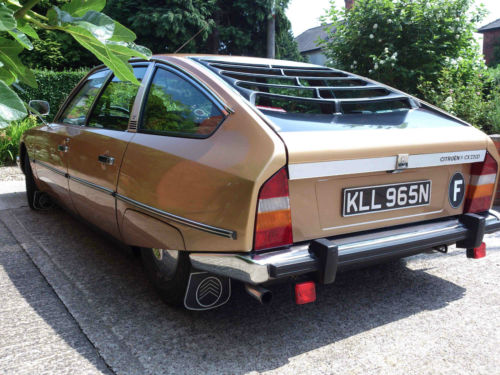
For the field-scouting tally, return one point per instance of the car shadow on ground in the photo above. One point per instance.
(107, 292)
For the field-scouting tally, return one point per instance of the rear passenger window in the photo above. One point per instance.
(76, 112)
(112, 110)
(176, 107)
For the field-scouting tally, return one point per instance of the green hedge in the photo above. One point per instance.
(53, 87)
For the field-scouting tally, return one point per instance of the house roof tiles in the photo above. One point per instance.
(491, 26)
(307, 40)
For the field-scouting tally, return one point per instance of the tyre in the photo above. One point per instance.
(31, 187)
(169, 272)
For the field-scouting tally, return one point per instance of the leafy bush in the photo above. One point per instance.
(400, 42)
(463, 91)
(494, 111)
(423, 47)
(494, 114)
(53, 87)
(10, 138)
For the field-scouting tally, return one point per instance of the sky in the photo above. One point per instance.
(304, 14)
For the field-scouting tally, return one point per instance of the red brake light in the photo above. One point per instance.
(273, 226)
(482, 185)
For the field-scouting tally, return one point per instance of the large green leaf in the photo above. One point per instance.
(7, 76)
(99, 25)
(117, 63)
(108, 40)
(9, 51)
(129, 49)
(11, 107)
(122, 34)
(26, 28)
(78, 8)
(21, 38)
(7, 20)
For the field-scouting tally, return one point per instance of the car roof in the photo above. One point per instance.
(235, 59)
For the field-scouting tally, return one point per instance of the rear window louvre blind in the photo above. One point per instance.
(307, 89)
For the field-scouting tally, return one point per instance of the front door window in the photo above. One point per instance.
(76, 112)
(112, 110)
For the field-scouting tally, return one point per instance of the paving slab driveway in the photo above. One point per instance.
(429, 314)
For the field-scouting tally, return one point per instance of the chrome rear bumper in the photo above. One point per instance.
(353, 250)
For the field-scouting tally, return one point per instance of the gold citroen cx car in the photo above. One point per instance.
(260, 171)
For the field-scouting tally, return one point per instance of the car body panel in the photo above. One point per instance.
(92, 182)
(51, 162)
(144, 231)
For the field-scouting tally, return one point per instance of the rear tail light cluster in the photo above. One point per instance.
(273, 227)
(482, 185)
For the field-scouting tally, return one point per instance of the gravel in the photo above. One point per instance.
(428, 314)
(12, 173)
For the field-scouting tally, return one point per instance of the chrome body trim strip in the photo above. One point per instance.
(155, 211)
(92, 185)
(344, 167)
(178, 219)
(257, 268)
(50, 168)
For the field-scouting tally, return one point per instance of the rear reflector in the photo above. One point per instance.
(477, 252)
(305, 292)
(481, 186)
(273, 227)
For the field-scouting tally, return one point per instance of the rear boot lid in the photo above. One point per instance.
(383, 173)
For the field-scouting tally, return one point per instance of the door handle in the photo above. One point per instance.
(62, 148)
(105, 159)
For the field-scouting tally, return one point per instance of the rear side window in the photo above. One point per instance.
(112, 110)
(176, 107)
(76, 112)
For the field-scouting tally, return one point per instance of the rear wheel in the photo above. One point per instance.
(169, 272)
(31, 188)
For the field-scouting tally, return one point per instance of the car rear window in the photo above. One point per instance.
(308, 92)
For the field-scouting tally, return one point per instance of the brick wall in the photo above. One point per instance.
(491, 38)
(349, 4)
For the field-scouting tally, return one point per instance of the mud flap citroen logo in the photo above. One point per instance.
(206, 291)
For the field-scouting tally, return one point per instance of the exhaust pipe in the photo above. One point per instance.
(261, 294)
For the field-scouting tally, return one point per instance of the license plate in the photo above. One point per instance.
(369, 199)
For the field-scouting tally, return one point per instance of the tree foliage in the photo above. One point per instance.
(236, 27)
(227, 27)
(107, 39)
(424, 47)
(402, 41)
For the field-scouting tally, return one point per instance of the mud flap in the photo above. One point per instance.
(42, 201)
(206, 291)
